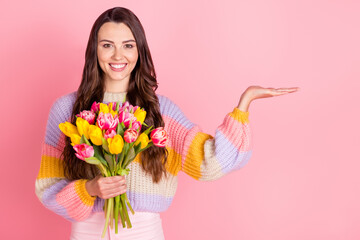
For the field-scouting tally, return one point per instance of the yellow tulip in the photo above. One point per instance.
(143, 139)
(75, 139)
(140, 115)
(95, 135)
(113, 113)
(83, 127)
(68, 129)
(116, 144)
(104, 108)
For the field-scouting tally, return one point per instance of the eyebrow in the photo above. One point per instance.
(105, 40)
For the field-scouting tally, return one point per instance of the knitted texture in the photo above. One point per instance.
(199, 155)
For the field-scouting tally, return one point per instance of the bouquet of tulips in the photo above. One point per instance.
(108, 136)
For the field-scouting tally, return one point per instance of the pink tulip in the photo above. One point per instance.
(134, 109)
(107, 121)
(136, 126)
(130, 135)
(127, 107)
(110, 133)
(124, 107)
(88, 116)
(95, 107)
(126, 117)
(159, 137)
(83, 151)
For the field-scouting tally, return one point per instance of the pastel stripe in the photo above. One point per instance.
(59, 112)
(148, 202)
(227, 154)
(236, 133)
(210, 168)
(138, 180)
(194, 152)
(41, 184)
(50, 167)
(49, 199)
(70, 200)
(168, 108)
(50, 151)
(176, 133)
(173, 165)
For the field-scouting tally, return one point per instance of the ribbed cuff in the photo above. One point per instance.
(83, 194)
(239, 115)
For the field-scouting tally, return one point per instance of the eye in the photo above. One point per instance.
(107, 45)
(129, 46)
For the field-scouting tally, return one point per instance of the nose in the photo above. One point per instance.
(117, 53)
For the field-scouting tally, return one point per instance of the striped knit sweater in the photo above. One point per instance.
(199, 155)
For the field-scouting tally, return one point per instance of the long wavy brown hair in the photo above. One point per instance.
(141, 92)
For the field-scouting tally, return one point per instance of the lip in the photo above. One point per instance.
(117, 69)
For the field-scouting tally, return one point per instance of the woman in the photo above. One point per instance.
(118, 65)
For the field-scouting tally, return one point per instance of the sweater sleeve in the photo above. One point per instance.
(66, 198)
(202, 156)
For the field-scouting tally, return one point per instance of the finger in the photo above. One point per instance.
(287, 89)
(113, 185)
(112, 179)
(113, 193)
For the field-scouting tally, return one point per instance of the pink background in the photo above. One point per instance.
(303, 179)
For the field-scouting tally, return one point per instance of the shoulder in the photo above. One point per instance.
(64, 103)
(167, 106)
(171, 110)
(60, 112)
(61, 109)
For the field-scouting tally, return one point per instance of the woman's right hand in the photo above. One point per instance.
(106, 187)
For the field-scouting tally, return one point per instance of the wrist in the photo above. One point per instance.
(244, 102)
(89, 188)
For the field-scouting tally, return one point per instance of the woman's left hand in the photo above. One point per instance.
(256, 92)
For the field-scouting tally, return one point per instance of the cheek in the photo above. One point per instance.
(133, 56)
(102, 57)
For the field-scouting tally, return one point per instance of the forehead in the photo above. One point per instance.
(116, 32)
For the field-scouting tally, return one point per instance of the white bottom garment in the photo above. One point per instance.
(145, 226)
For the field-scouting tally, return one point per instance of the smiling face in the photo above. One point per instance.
(117, 55)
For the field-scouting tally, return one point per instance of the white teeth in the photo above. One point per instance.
(118, 65)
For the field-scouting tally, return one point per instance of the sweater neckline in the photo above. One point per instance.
(114, 96)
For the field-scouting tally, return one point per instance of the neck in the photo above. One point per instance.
(113, 86)
(114, 97)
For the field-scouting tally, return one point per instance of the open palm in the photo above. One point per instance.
(256, 92)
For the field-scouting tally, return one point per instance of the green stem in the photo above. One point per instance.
(117, 203)
(128, 203)
(109, 208)
(122, 215)
(102, 170)
(127, 219)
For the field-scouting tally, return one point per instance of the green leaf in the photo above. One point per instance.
(123, 172)
(110, 161)
(149, 145)
(129, 157)
(92, 160)
(137, 148)
(147, 131)
(105, 145)
(117, 107)
(98, 154)
(120, 129)
(84, 140)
